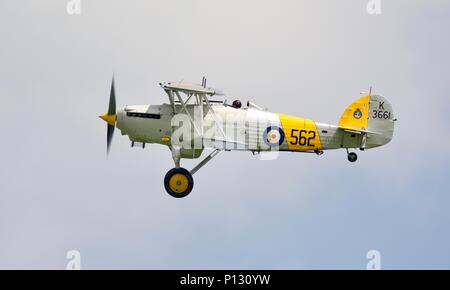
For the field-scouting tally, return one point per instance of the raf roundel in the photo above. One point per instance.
(273, 136)
(357, 114)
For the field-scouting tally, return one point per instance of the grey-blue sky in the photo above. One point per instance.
(308, 58)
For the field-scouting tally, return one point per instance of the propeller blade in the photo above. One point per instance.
(112, 100)
(109, 137)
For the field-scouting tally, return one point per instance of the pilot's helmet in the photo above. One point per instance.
(236, 104)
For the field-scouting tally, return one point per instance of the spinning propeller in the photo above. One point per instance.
(110, 117)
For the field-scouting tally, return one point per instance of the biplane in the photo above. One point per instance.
(194, 120)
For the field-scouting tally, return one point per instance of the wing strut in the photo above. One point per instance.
(204, 161)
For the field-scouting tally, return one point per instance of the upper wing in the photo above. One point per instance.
(189, 88)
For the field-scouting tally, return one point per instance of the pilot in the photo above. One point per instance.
(236, 104)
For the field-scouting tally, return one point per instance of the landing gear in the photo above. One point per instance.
(352, 157)
(178, 182)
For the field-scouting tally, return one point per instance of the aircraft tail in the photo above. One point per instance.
(373, 117)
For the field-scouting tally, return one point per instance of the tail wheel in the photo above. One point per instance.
(352, 157)
(178, 182)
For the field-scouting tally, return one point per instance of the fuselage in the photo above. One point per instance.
(229, 128)
(190, 125)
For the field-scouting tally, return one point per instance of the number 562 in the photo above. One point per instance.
(302, 137)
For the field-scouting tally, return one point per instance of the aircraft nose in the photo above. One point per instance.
(110, 119)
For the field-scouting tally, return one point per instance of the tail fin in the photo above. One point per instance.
(372, 116)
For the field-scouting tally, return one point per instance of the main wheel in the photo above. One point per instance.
(178, 182)
(352, 157)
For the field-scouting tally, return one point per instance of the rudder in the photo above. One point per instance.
(373, 117)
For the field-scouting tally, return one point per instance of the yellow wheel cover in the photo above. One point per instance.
(178, 183)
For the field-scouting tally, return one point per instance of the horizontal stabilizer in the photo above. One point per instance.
(353, 131)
